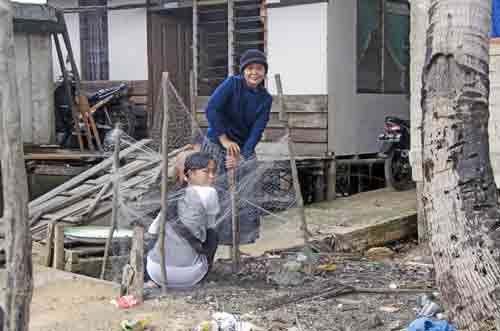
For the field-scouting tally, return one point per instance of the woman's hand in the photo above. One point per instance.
(231, 147)
(231, 161)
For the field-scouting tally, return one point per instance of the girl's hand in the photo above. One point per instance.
(231, 161)
(231, 147)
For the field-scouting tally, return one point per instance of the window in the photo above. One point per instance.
(94, 41)
(383, 46)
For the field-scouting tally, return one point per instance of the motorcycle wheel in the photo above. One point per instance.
(398, 171)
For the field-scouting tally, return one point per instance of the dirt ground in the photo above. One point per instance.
(64, 301)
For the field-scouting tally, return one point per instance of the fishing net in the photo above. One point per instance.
(260, 191)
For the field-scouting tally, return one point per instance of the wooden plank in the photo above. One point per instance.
(297, 120)
(139, 99)
(80, 189)
(56, 170)
(266, 150)
(41, 89)
(85, 175)
(61, 156)
(298, 135)
(31, 11)
(372, 235)
(292, 104)
(136, 87)
(70, 210)
(24, 84)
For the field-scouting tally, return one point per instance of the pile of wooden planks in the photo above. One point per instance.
(86, 198)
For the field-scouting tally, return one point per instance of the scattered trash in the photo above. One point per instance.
(429, 309)
(442, 316)
(427, 324)
(222, 321)
(423, 299)
(327, 267)
(135, 325)
(124, 302)
(389, 309)
(380, 253)
(292, 266)
(393, 286)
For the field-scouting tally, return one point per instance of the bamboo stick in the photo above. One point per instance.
(164, 182)
(235, 221)
(116, 198)
(296, 184)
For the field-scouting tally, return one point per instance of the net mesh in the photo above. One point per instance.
(263, 189)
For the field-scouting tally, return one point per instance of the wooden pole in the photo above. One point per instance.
(19, 276)
(67, 90)
(193, 97)
(135, 285)
(296, 184)
(164, 182)
(116, 198)
(235, 221)
(195, 45)
(230, 37)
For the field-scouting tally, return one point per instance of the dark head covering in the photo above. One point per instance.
(195, 161)
(252, 56)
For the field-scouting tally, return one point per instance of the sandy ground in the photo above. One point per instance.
(64, 301)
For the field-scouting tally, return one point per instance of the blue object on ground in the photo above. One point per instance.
(428, 324)
(495, 18)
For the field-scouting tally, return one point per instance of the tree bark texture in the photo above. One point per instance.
(459, 194)
(419, 22)
(19, 284)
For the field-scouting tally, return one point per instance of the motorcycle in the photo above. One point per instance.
(395, 150)
(112, 106)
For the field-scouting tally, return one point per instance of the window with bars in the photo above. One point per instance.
(383, 28)
(94, 41)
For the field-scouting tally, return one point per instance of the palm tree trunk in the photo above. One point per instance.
(459, 194)
(19, 284)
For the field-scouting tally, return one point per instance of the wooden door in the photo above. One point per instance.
(169, 49)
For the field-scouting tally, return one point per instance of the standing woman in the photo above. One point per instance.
(237, 113)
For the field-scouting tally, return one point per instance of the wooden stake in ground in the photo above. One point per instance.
(235, 220)
(116, 198)
(164, 182)
(459, 194)
(295, 175)
(19, 277)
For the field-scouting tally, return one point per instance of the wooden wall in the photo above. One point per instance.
(308, 118)
(35, 86)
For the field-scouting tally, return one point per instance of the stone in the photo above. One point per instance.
(380, 253)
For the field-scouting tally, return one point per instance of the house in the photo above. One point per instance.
(343, 63)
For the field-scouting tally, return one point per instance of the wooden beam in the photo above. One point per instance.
(137, 263)
(18, 284)
(67, 90)
(195, 45)
(58, 261)
(230, 37)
